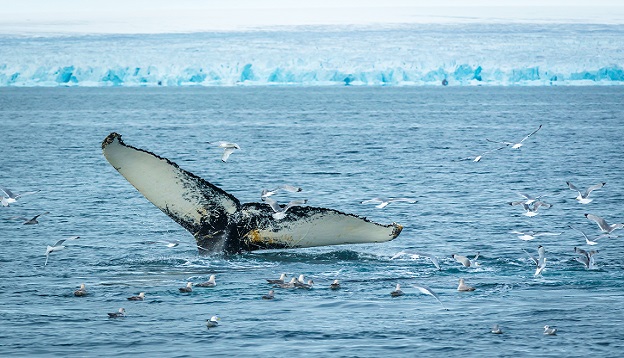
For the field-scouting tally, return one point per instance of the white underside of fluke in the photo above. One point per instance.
(166, 185)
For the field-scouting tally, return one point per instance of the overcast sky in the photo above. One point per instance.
(155, 16)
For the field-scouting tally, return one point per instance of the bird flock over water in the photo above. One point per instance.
(529, 203)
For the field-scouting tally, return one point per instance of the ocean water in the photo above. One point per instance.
(342, 145)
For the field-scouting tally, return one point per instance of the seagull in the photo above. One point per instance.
(465, 261)
(428, 291)
(528, 210)
(228, 148)
(480, 156)
(277, 281)
(516, 145)
(140, 297)
(587, 240)
(307, 285)
(540, 261)
(213, 321)
(31, 221)
(587, 257)
(118, 314)
(606, 228)
(551, 331)
(82, 291)
(11, 198)
(58, 246)
(168, 243)
(269, 296)
(187, 288)
(583, 198)
(531, 199)
(290, 188)
(289, 284)
(335, 285)
(496, 329)
(416, 255)
(463, 287)
(210, 283)
(397, 291)
(530, 235)
(385, 201)
(279, 212)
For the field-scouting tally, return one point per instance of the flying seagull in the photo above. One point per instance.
(587, 240)
(383, 202)
(31, 221)
(228, 148)
(583, 198)
(290, 188)
(604, 227)
(586, 258)
(540, 261)
(58, 246)
(9, 197)
(466, 261)
(518, 144)
(530, 235)
(426, 290)
(213, 321)
(528, 209)
(279, 212)
(416, 255)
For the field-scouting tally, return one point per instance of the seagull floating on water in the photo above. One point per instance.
(550, 331)
(290, 188)
(583, 198)
(383, 202)
(289, 284)
(463, 287)
(307, 285)
(228, 148)
(269, 296)
(187, 288)
(496, 329)
(426, 290)
(602, 224)
(10, 197)
(140, 297)
(119, 314)
(58, 246)
(587, 257)
(416, 255)
(466, 261)
(397, 291)
(518, 144)
(335, 285)
(213, 321)
(82, 291)
(530, 235)
(277, 281)
(210, 283)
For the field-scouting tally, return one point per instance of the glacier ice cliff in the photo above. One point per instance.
(463, 54)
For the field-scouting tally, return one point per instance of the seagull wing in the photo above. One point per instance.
(226, 153)
(530, 134)
(572, 187)
(499, 142)
(598, 220)
(26, 193)
(273, 204)
(372, 201)
(295, 203)
(592, 188)
(290, 188)
(428, 291)
(530, 256)
(59, 243)
(7, 192)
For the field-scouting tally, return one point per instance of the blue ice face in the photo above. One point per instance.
(454, 54)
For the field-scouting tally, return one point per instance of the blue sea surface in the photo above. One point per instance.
(342, 145)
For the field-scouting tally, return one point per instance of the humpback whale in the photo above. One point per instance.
(220, 223)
